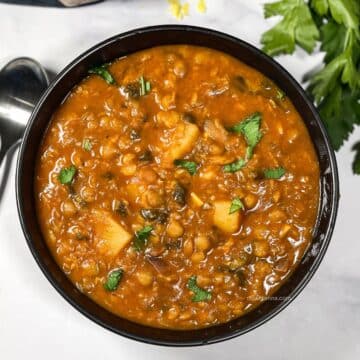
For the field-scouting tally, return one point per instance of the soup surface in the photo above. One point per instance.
(177, 187)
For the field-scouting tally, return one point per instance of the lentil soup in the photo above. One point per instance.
(177, 187)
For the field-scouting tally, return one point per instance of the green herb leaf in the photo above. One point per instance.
(234, 166)
(296, 27)
(103, 72)
(333, 37)
(336, 87)
(280, 95)
(190, 166)
(250, 128)
(113, 280)
(141, 237)
(346, 12)
(145, 86)
(199, 293)
(236, 205)
(274, 173)
(320, 6)
(340, 110)
(66, 175)
(87, 144)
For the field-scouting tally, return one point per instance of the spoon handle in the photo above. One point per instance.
(9, 134)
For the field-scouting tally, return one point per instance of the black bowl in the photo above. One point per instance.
(128, 43)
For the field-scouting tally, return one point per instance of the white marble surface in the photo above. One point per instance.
(35, 322)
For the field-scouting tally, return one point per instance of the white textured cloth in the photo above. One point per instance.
(36, 323)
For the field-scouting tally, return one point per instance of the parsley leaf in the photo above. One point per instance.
(145, 86)
(296, 27)
(340, 110)
(190, 166)
(103, 72)
(280, 95)
(199, 293)
(333, 40)
(113, 280)
(250, 128)
(66, 175)
(236, 205)
(274, 173)
(320, 6)
(335, 88)
(141, 237)
(234, 166)
(87, 144)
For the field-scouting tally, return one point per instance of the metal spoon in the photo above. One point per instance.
(22, 82)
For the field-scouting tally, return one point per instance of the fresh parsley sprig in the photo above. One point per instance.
(335, 89)
(236, 205)
(103, 72)
(199, 293)
(67, 175)
(113, 280)
(190, 166)
(142, 237)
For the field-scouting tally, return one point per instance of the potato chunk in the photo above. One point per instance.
(178, 138)
(228, 223)
(110, 236)
(183, 143)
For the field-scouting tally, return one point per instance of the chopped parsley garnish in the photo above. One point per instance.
(274, 173)
(236, 205)
(234, 166)
(141, 237)
(280, 95)
(113, 280)
(87, 144)
(190, 166)
(250, 128)
(103, 72)
(199, 293)
(66, 175)
(138, 88)
(145, 86)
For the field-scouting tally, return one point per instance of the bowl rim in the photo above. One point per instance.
(329, 152)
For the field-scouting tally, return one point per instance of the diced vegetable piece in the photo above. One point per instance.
(111, 237)
(160, 215)
(215, 130)
(146, 156)
(120, 207)
(228, 223)
(183, 144)
(195, 200)
(179, 195)
(239, 82)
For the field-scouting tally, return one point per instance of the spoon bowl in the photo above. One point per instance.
(22, 82)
